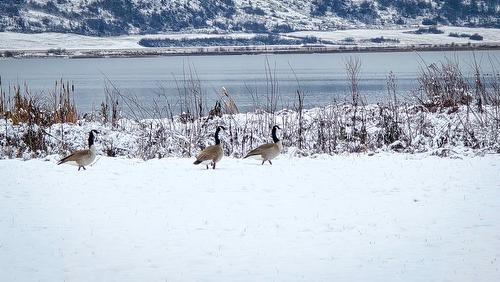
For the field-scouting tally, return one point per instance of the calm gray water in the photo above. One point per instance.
(322, 77)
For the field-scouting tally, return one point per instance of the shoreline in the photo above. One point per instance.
(238, 50)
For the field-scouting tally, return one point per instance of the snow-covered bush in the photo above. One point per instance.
(443, 85)
(331, 129)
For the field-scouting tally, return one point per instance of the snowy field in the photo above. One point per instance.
(51, 40)
(491, 35)
(45, 41)
(386, 217)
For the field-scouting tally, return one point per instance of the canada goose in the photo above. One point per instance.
(211, 154)
(269, 151)
(81, 158)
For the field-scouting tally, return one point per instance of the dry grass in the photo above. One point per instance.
(19, 105)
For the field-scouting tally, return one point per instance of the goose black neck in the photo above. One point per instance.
(91, 139)
(275, 138)
(217, 140)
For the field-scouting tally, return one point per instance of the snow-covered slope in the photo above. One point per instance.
(117, 17)
(389, 217)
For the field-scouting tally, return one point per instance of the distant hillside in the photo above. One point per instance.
(115, 17)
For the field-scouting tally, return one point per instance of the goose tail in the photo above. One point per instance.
(63, 160)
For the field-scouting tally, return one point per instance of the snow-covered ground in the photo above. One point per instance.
(69, 41)
(386, 217)
(45, 41)
(490, 35)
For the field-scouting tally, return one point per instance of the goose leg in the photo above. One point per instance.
(79, 167)
(84, 168)
(263, 162)
(270, 161)
(207, 166)
(213, 165)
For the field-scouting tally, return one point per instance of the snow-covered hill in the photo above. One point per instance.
(389, 217)
(115, 17)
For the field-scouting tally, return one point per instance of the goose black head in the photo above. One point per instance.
(275, 138)
(217, 140)
(92, 136)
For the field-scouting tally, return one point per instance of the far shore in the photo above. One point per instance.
(238, 50)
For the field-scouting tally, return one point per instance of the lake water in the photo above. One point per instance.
(322, 77)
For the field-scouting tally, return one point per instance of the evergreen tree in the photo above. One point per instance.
(452, 9)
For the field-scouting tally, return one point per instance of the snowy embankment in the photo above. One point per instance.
(333, 129)
(388, 217)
